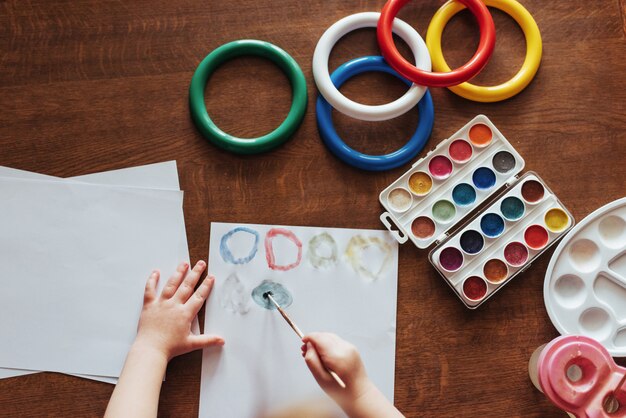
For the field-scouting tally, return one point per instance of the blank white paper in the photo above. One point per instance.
(155, 176)
(102, 242)
(349, 288)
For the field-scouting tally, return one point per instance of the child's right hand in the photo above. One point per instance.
(323, 350)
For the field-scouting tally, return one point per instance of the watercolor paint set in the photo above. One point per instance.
(433, 203)
(585, 284)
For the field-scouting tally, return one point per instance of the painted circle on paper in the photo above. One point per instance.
(226, 252)
(322, 251)
(370, 257)
(269, 249)
(280, 294)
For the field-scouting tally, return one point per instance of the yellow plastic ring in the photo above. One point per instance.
(489, 93)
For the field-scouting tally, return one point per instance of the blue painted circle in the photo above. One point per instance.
(484, 178)
(228, 256)
(365, 161)
(492, 225)
(463, 194)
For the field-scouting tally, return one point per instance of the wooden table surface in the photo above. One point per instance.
(87, 86)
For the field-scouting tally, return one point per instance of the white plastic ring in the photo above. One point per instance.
(352, 108)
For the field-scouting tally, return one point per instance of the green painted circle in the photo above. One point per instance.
(227, 52)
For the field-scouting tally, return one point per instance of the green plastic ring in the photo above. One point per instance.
(232, 50)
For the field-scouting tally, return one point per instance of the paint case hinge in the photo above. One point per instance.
(511, 181)
(441, 238)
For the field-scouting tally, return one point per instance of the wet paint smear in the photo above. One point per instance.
(234, 296)
(451, 259)
(484, 178)
(463, 194)
(355, 256)
(492, 225)
(516, 254)
(269, 250)
(503, 161)
(475, 288)
(512, 208)
(317, 245)
(471, 241)
(228, 256)
(532, 191)
(280, 294)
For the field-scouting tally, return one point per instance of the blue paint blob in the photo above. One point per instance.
(512, 208)
(463, 194)
(472, 241)
(484, 178)
(278, 292)
(228, 256)
(492, 225)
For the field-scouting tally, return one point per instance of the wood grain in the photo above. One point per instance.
(87, 86)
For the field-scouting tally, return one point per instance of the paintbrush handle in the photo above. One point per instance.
(336, 377)
(291, 323)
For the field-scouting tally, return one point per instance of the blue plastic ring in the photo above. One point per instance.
(364, 161)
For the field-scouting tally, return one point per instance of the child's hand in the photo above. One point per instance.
(165, 322)
(324, 349)
(361, 398)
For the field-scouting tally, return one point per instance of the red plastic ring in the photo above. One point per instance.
(437, 79)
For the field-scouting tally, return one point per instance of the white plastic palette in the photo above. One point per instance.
(479, 258)
(449, 182)
(585, 284)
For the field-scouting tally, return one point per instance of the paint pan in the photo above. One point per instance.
(465, 201)
(462, 172)
(502, 240)
(585, 284)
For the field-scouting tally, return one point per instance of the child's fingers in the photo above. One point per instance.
(198, 342)
(323, 341)
(195, 302)
(151, 286)
(173, 282)
(189, 283)
(315, 365)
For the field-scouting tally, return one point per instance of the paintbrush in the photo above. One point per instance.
(268, 295)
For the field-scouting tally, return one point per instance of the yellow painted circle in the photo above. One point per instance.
(489, 93)
(556, 220)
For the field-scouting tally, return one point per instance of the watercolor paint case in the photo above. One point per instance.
(431, 203)
(585, 283)
(502, 240)
(451, 181)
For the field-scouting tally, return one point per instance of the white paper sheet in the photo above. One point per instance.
(260, 366)
(103, 240)
(156, 176)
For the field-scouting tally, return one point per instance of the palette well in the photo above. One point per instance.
(585, 284)
(443, 192)
(450, 182)
(502, 240)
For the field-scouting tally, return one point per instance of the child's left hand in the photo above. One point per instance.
(165, 322)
